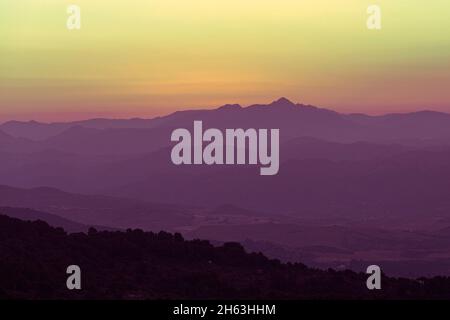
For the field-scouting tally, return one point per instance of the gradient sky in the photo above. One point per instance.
(150, 57)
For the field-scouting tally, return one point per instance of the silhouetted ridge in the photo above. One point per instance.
(145, 265)
(282, 102)
(230, 107)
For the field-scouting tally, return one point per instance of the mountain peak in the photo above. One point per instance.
(282, 102)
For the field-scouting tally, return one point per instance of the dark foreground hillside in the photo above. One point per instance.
(144, 265)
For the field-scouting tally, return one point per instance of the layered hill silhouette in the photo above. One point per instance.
(139, 265)
(53, 220)
(294, 120)
(405, 245)
(379, 184)
(94, 210)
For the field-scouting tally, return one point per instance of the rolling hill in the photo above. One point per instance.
(138, 265)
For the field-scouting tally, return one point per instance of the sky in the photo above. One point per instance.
(151, 57)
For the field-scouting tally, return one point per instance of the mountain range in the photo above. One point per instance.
(294, 120)
(345, 180)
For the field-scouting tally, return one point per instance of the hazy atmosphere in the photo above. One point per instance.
(147, 58)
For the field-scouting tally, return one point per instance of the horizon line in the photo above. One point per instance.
(205, 108)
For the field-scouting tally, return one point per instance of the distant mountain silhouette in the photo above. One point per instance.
(37, 131)
(138, 265)
(96, 210)
(400, 252)
(412, 183)
(338, 172)
(316, 178)
(33, 130)
(9, 143)
(51, 219)
(294, 120)
(419, 253)
(82, 140)
(312, 148)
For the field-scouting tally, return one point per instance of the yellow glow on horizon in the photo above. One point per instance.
(141, 57)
